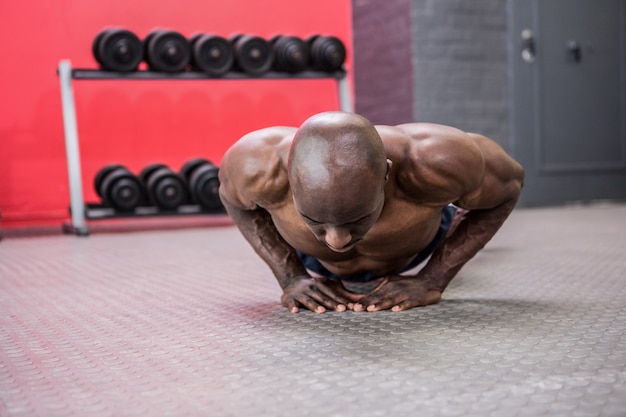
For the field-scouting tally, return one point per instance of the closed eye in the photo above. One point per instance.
(355, 222)
(309, 220)
(361, 220)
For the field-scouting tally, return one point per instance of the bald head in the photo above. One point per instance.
(339, 159)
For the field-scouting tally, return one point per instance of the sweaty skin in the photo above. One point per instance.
(364, 198)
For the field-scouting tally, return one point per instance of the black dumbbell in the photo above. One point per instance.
(291, 54)
(211, 54)
(117, 50)
(164, 188)
(203, 182)
(327, 53)
(253, 54)
(118, 187)
(166, 51)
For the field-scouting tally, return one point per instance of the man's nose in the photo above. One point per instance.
(337, 237)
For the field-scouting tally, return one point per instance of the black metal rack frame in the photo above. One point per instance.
(79, 210)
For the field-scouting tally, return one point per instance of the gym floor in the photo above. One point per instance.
(187, 322)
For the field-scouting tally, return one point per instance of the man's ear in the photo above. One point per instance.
(389, 164)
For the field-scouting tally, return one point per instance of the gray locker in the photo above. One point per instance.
(568, 98)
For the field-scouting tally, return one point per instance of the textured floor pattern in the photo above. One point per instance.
(188, 323)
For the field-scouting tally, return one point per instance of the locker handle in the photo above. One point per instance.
(573, 52)
(528, 46)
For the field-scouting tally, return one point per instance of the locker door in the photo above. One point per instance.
(568, 79)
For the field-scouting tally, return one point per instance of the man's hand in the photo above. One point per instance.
(399, 293)
(318, 294)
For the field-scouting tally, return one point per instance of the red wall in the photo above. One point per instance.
(137, 122)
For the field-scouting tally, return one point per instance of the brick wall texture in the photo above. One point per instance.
(460, 65)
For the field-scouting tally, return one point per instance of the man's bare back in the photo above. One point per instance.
(361, 199)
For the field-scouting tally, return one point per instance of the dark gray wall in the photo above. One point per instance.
(383, 77)
(460, 65)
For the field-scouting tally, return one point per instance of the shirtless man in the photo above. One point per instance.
(340, 199)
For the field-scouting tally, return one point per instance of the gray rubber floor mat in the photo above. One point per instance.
(189, 323)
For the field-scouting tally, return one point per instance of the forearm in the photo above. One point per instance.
(472, 234)
(258, 229)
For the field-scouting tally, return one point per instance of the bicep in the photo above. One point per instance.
(502, 180)
(253, 175)
(233, 186)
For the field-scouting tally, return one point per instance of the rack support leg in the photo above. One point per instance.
(343, 90)
(72, 152)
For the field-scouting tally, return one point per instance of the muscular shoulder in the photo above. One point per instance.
(253, 171)
(434, 164)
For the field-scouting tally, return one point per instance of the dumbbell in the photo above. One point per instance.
(166, 51)
(327, 53)
(253, 54)
(117, 50)
(118, 187)
(291, 54)
(203, 182)
(211, 54)
(164, 188)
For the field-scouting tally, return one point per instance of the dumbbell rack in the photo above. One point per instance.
(80, 211)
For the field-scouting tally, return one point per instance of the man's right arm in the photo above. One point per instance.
(241, 189)
(258, 229)
(299, 288)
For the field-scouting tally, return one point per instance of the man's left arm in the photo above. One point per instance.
(489, 206)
